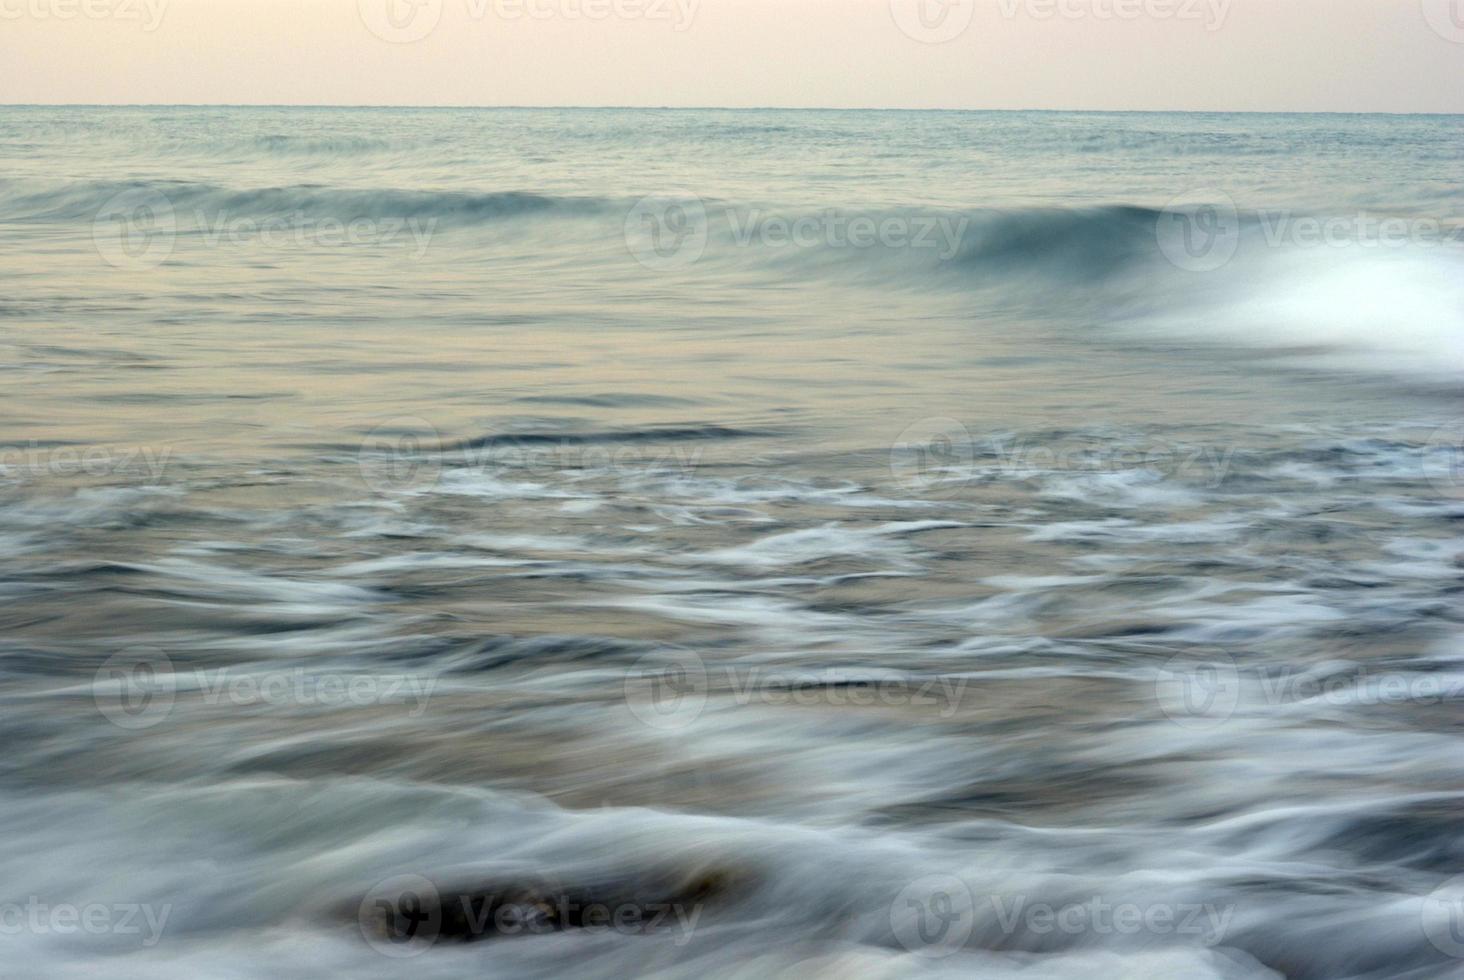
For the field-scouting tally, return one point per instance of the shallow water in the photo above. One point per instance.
(848, 543)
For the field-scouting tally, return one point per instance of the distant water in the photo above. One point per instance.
(849, 544)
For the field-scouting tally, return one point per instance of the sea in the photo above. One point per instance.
(524, 543)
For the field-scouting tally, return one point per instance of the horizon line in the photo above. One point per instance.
(716, 108)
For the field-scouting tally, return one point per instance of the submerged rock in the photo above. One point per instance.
(413, 909)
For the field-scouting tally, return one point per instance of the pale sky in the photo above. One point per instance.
(1266, 55)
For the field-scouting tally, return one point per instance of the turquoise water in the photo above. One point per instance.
(838, 537)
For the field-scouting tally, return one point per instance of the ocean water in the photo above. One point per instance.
(528, 543)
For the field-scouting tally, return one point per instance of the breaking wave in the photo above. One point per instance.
(1339, 293)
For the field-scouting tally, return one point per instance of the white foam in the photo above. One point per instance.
(1393, 309)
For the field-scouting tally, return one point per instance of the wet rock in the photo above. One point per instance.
(442, 911)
